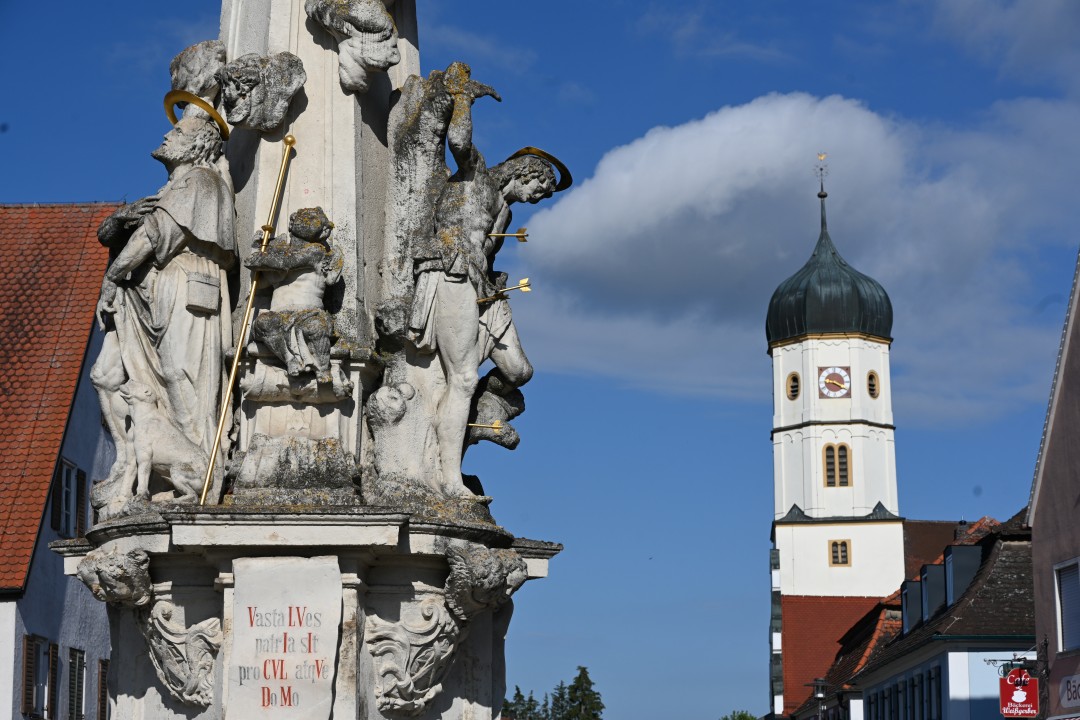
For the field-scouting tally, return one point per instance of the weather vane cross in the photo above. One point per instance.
(821, 170)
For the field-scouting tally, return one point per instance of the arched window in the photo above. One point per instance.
(793, 386)
(840, 553)
(837, 460)
(873, 384)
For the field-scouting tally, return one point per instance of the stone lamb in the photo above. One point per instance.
(162, 447)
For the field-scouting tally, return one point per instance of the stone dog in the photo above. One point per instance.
(161, 446)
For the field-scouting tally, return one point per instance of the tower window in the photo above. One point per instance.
(873, 385)
(840, 553)
(793, 386)
(837, 460)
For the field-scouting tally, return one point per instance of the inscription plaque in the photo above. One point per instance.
(286, 616)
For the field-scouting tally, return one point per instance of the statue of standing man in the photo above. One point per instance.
(166, 310)
(453, 272)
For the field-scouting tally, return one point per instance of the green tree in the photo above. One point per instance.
(739, 715)
(560, 702)
(545, 709)
(531, 711)
(513, 708)
(583, 700)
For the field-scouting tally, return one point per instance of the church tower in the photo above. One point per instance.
(837, 536)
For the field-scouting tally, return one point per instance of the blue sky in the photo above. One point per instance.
(691, 128)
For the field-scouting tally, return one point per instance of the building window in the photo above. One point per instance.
(1068, 592)
(103, 690)
(837, 465)
(76, 684)
(793, 386)
(41, 666)
(840, 553)
(873, 384)
(69, 494)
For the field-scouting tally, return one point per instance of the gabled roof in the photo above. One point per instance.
(999, 602)
(49, 283)
(811, 631)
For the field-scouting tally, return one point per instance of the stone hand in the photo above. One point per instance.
(132, 213)
(106, 304)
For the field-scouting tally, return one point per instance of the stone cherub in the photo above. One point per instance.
(300, 266)
(366, 37)
(256, 90)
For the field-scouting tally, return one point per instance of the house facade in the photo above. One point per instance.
(1053, 517)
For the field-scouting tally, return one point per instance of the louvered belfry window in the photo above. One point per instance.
(837, 460)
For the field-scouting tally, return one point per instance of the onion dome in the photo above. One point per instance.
(828, 296)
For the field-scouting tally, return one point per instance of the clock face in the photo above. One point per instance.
(834, 382)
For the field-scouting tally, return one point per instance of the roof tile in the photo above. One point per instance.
(49, 284)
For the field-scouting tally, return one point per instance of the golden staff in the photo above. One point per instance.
(226, 401)
(523, 286)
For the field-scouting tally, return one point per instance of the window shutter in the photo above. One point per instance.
(80, 501)
(830, 466)
(842, 461)
(56, 497)
(1069, 597)
(72, 681)
(52, 701)
(103, 690)
(28, 673)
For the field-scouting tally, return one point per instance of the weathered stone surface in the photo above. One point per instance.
(295, 463)
(196, 69)
(165, 308)
(286, 612)
(116, 577)
(256, 89)
(366, 36)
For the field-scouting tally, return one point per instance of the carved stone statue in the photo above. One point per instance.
(300, 267)
(366, 37)
(197, 69)
(256, 90)
(165, 302)
(413, 654)
(121, 578)
(453, 272)
(447, 311)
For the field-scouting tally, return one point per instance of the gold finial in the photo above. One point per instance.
(822, 169)
(523, 286)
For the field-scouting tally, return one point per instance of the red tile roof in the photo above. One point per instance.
(811, 632)
(49, 283)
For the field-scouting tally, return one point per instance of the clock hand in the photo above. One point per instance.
(837, 383)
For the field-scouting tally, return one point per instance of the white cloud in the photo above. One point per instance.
(1025, 38)
(658, 269)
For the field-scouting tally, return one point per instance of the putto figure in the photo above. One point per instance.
(300, 266)
(366, 37)
(165, 301)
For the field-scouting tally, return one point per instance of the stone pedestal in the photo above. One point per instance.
(302, 612)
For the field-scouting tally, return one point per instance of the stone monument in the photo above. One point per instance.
(286, 531)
